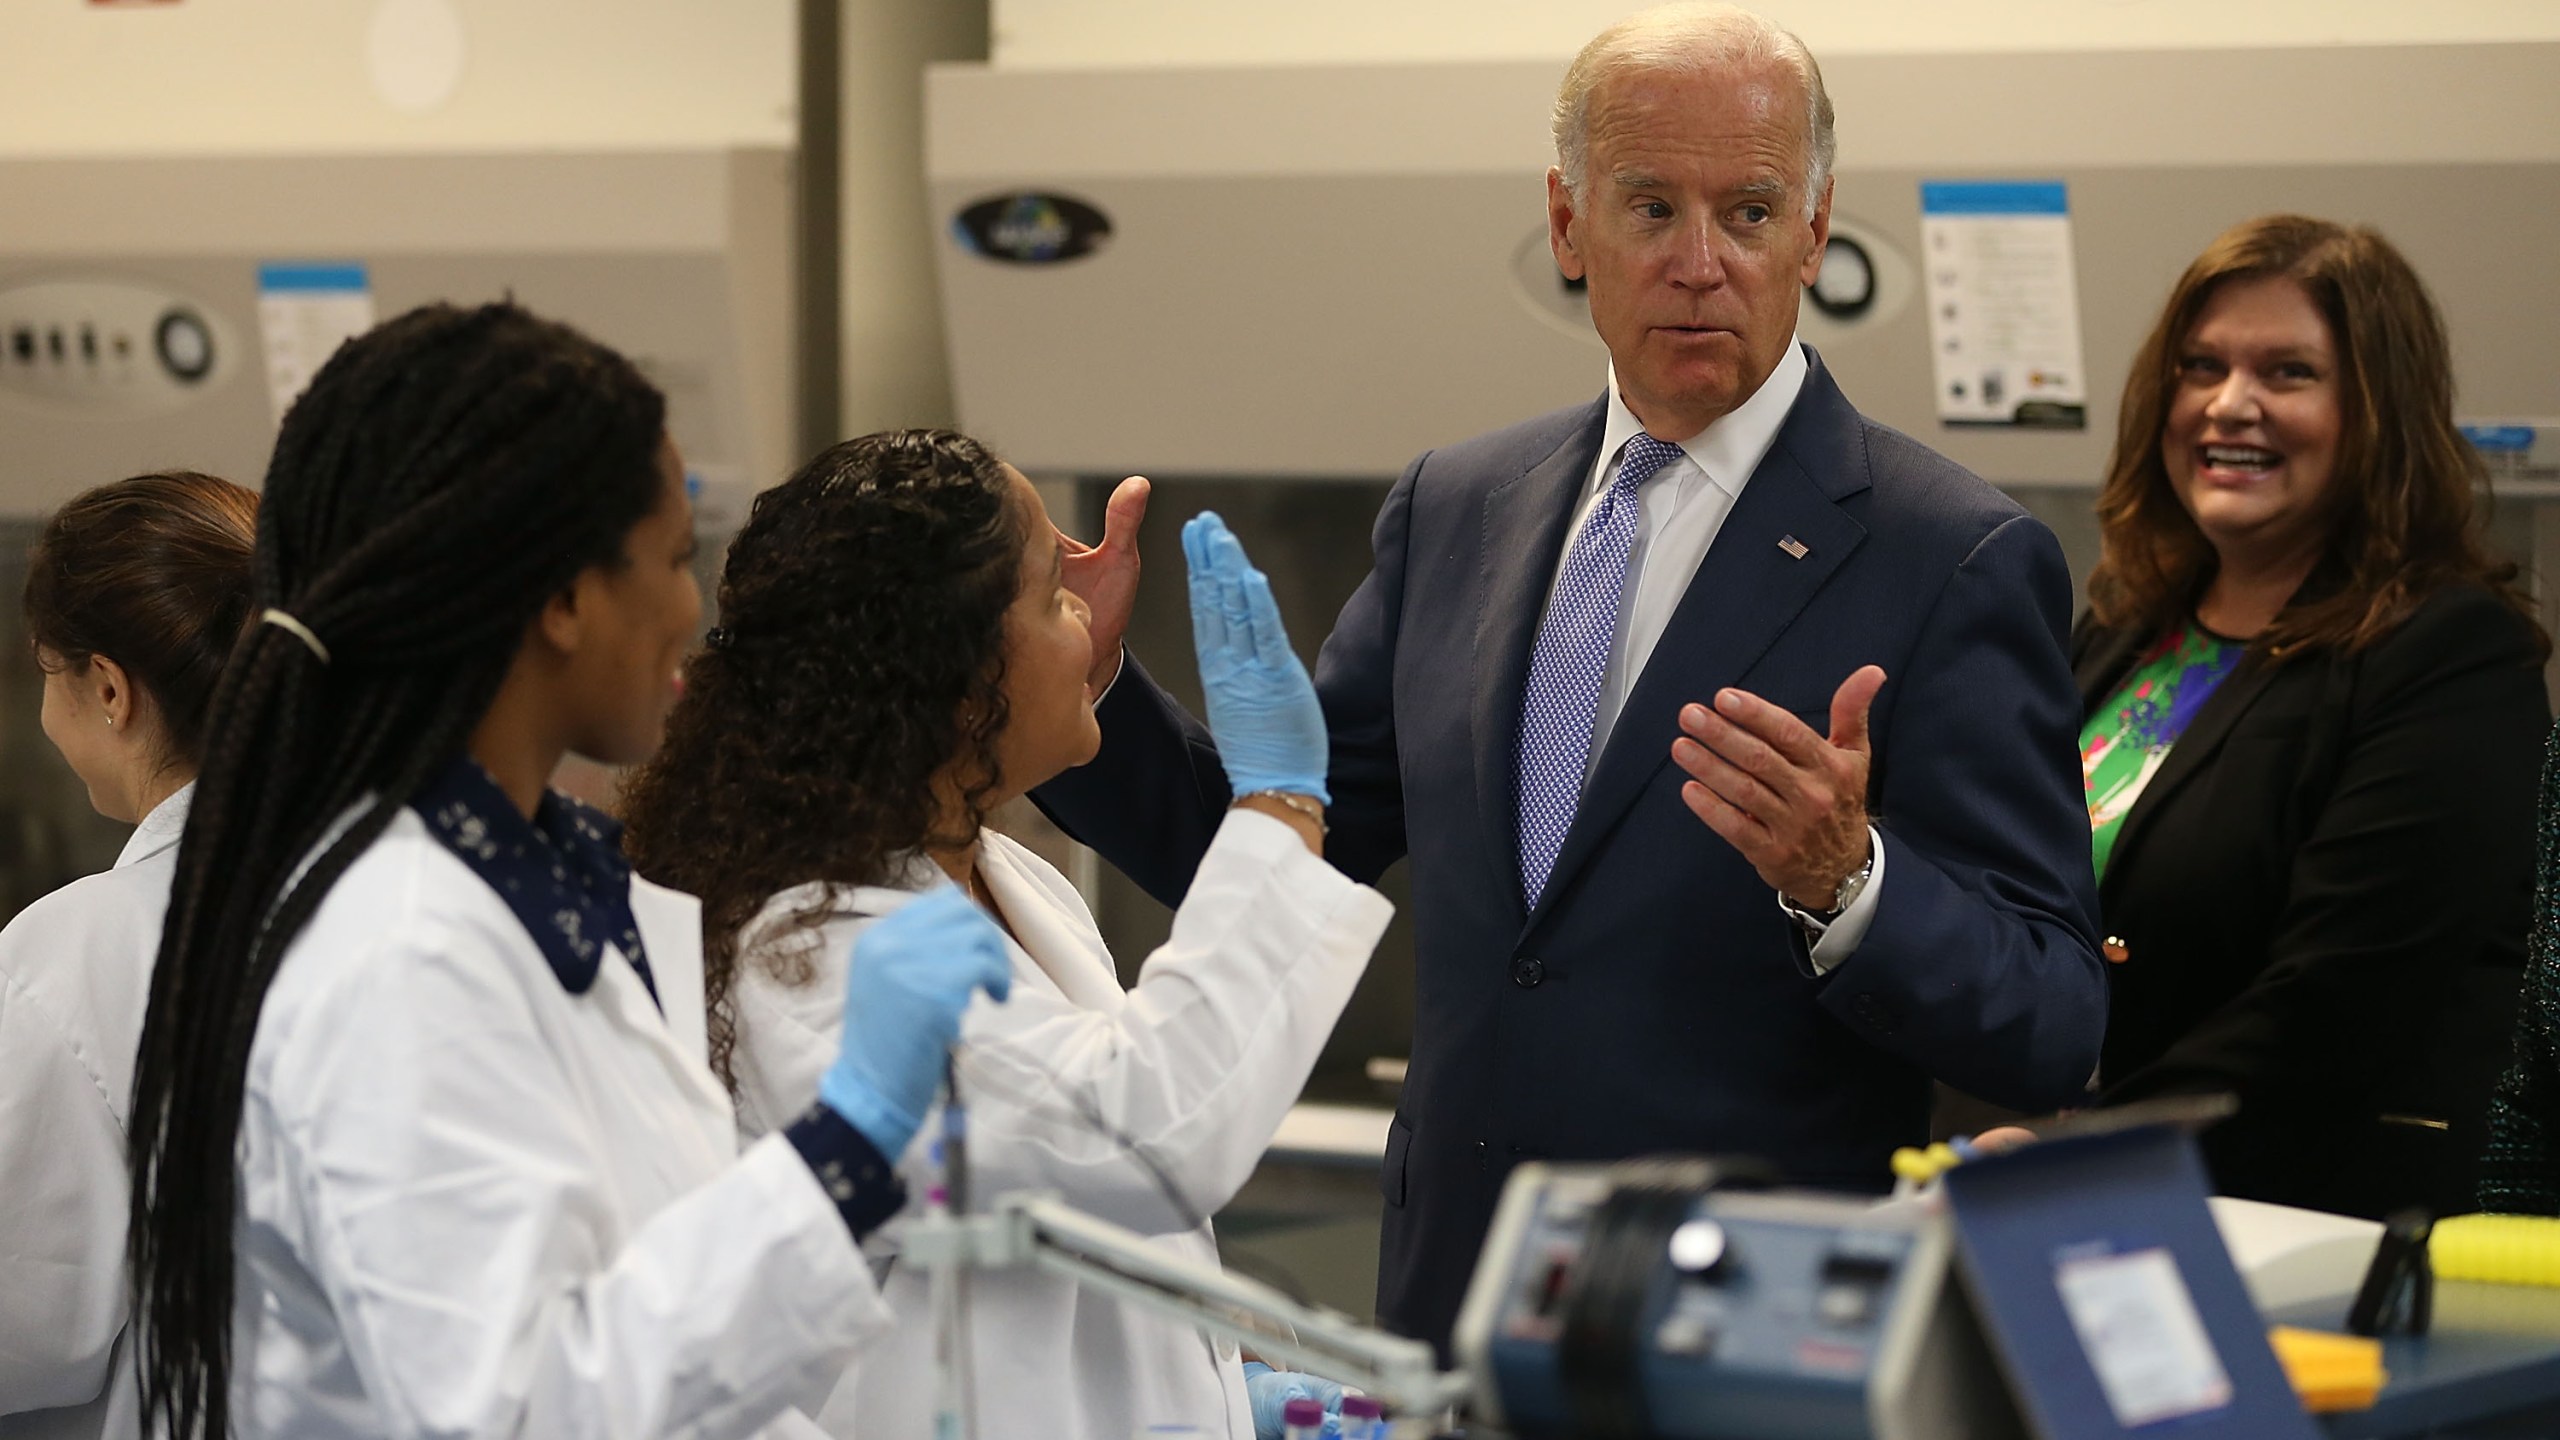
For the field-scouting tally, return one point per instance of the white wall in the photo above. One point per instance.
(1032, 33)
(296, 76)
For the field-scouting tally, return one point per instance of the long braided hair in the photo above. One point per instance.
(445, 475)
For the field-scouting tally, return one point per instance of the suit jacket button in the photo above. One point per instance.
(1528, 971)
(2116, 951)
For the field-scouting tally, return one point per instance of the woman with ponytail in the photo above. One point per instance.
(135, 594)
(423, 1139)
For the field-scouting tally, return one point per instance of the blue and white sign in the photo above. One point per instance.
(2517, 450)
(305, 312)
(2004, 303)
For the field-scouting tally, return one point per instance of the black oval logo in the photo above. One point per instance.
(1030, 228)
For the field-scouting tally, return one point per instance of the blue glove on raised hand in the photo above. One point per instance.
(911, 975)
(1269, 1392)
(1262, 707)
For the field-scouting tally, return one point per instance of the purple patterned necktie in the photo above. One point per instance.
(1562, 696)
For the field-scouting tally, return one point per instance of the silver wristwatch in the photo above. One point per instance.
(1816, 922)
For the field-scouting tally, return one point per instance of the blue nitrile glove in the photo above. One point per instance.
(1262, 707)
(911, 975)
(1269, 1391)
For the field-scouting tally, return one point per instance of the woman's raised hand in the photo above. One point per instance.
(1262, 707)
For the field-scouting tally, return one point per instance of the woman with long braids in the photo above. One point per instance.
(422, 1137)
(136, 592)
(897, 656)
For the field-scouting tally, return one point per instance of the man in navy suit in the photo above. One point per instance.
(1729, 733)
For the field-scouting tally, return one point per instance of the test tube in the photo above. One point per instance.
(1363, 1418)
(1302, 1420)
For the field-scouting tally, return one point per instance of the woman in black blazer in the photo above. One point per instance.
(2314, 710)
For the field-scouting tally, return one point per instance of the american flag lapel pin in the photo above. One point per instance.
(1795, 548)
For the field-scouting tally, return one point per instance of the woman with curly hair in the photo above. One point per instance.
(897, 656)
(2313, 704)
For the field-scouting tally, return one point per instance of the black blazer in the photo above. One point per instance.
(2320, 904)
(1657, 999)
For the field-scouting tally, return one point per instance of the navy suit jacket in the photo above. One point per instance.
(1657, 999)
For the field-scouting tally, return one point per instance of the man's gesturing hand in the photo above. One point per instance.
(1105, 577)
(1794, 803)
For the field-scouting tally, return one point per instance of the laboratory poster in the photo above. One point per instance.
(305, 312)
(2004, 304)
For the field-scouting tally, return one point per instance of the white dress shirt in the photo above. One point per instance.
(1684, 505)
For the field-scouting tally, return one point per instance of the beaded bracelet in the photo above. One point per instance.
(1306, 805)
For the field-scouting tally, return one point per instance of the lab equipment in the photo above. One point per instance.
(2398, 1293)
(136, 335)
(1301, 1420)
(945, 1304)
(2096, 1270)
(1403, 293)
(2329, 1372)
(2505, 1249)
(903, 997)
(1262, 707)
(1035, 1230)
(1272, 1392)
(2079, 1288)
(1612, 1301)
(148, 304)
(1363, 1418)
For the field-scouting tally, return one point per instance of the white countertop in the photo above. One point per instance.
(1331, 1135)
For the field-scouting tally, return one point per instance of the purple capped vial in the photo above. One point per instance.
(1302, 1419)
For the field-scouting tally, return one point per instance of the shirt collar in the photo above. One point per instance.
(160, 829)
(561, 872)
(1727, 451)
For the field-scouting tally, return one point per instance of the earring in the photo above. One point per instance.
(111, 722)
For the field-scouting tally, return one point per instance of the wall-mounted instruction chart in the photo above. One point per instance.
(305, 312)
(2004, 303)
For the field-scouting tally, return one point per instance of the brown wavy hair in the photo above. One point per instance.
(153, 573)
(860, 652)
(2403, 520)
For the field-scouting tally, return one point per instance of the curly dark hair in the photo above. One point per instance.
(860, 652)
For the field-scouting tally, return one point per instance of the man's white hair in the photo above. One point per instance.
(1690, 39)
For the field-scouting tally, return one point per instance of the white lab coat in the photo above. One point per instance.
(1196, 1064)
(75, 977)
(475, 1204)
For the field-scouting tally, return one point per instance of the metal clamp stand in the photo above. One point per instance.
(1046, 1233)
